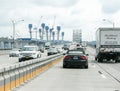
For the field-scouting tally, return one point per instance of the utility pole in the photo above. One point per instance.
(14, 31)
(113, 24)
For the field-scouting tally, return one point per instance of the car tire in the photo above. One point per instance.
(100, 60)
(20, 60)
(64, 66)
(48, 54)
(95, 58)
(38, 56)
(116, 61)
(86, 66)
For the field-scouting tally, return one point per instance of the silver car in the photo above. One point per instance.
(14, 52)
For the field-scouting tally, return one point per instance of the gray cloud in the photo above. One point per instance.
(17, 8)
(56, 3)
(12, 4)
(10, 9)
(110, 6)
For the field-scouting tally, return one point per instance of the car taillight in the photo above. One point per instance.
(66, 57)
(83, 57)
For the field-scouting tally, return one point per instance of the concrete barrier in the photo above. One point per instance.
(29, 70)
(12, 77)
(21, 73)
(24, 72)
(15, 75)
(2, 86)
(7, 78)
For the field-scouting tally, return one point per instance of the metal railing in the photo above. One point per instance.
(14, 75)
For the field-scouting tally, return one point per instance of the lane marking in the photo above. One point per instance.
(102, 75)
(111, 75)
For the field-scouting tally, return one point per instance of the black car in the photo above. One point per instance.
(75, 58)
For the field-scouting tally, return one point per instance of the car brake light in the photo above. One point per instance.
(66, 57)
(83, 57)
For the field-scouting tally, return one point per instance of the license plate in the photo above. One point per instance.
(75, 57)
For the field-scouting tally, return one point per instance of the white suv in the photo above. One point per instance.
(29, 52)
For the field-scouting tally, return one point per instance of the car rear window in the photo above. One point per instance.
(29, 49)
(77, 52)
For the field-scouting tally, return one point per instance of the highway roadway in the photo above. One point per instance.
(5, 60)
(98, 77)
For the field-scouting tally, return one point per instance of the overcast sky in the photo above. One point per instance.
(86, 15)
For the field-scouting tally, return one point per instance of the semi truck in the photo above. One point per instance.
(108, 44)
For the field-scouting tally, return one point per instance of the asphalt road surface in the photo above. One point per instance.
(98, 77)
(5, 60)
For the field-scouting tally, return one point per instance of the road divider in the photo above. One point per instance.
(14, 75)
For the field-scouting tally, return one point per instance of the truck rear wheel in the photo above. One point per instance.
(100, 60)
(117, 59)
(95, 59)
(20, 60)
(64, 66)
(86, 67)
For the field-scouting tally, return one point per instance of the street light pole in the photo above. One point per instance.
(13, 23)
(110, 22)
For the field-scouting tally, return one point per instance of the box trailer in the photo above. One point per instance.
(108, 44)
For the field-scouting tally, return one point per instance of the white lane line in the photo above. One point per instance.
(103, 76)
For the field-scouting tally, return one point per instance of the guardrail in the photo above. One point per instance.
(14, 75)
